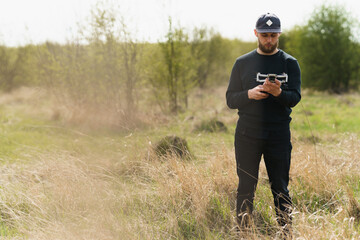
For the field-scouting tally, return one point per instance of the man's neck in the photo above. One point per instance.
(263, 53)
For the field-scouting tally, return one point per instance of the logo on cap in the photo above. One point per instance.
(269, 23)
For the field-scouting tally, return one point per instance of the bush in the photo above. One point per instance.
(172, 145)
(326, 49)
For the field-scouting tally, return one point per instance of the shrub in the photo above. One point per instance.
(172, 145)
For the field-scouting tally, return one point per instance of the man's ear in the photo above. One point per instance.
(255, 32)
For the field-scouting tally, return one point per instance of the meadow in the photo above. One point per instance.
(69, 180)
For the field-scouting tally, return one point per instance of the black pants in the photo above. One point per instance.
(276, 149)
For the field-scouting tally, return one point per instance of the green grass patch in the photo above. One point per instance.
(324, 113)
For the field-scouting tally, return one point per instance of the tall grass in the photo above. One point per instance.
(67, 184)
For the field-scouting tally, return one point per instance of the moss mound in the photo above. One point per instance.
(172, 145)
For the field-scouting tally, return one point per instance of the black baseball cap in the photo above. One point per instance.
(268, 22)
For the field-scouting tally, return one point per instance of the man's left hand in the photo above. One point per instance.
(272, 88)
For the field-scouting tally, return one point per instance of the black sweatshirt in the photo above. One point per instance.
(272, 113)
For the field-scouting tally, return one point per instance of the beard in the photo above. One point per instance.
(268, 48)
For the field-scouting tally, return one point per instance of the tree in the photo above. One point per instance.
(326, 49)
(130, 58)
(96, 73)
(176, 70)
(119, 55)
(13, 67)
(208, 51)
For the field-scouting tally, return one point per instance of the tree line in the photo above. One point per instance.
(106, 68)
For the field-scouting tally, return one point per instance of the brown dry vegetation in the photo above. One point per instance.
(112, 185)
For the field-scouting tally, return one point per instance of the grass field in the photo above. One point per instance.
(69, 181)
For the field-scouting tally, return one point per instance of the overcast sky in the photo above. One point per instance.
(36, 21)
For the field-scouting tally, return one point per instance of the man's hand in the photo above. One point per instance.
(257, 93)
(272, 88)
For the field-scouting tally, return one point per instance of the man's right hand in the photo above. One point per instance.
(257, 93)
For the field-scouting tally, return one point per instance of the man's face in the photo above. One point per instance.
(268, 42)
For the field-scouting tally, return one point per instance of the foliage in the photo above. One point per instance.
(14, 67)
(106, 73)
(324, 47)
(290, 41)
(98, 78)
(177, 71)
(118, 50)
(209, 53)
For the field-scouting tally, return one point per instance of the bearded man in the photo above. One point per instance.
(264, 85)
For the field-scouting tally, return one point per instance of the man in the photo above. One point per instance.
(264, 109)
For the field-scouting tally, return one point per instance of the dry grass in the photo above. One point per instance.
(122, 190)
(59, 197)
(62, 197)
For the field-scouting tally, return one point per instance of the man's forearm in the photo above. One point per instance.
(289, 98)
(236, 100)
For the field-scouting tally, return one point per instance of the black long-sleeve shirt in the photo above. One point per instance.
(272, 113)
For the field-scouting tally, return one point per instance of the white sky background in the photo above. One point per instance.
(36, 21)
